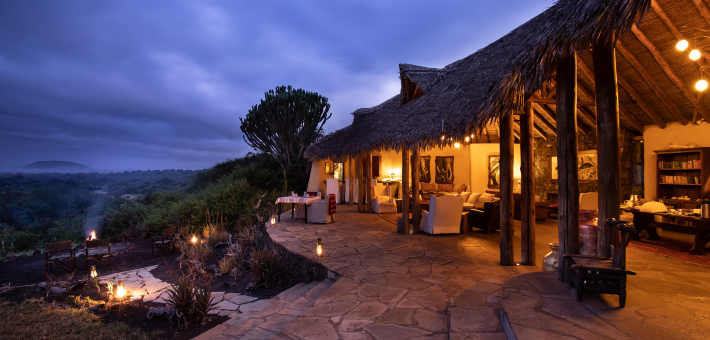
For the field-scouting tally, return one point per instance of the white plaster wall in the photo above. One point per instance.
(479, 164)
(656, 138)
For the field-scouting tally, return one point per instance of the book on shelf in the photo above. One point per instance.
(680, 180)
(692, 164)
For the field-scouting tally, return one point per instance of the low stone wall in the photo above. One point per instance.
(300, 268)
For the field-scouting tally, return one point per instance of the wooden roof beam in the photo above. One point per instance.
(554, 101)
(642, 103)
(583, 129)
(703, 9)
(488, 137)
(630, 118)
(541, 119)
(652, 83)
(667, 68)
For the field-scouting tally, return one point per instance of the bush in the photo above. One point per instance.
(198, 252)
(266, 267)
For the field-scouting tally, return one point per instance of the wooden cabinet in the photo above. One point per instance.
(682, 172)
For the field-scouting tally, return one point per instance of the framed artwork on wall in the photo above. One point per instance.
(494, 171)
(328, 168)
(425, 169)
(339, 172)
(444, 169)
(587, 166)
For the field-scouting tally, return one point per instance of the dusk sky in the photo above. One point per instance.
(161, 84)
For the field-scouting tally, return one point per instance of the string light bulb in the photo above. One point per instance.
(694, 55)
(701, 85)
(467, 139)
(682, 45)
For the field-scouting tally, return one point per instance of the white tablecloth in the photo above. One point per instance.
(297, 200)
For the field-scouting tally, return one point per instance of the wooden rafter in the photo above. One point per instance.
(542, 119)
(414, 93)
(551, 92)
(666, 67)
(652, 83)
(642, 103)
(703, 8)
(583, 129)
(662, 123)
(488, 137)
(554, 101)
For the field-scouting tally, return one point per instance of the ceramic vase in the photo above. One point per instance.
(549, 262)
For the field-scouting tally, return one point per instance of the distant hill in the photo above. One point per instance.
(56, 165)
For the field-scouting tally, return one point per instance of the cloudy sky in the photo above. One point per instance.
(162, 84)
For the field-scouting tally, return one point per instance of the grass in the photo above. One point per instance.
(36, 319)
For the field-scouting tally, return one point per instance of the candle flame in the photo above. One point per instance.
(194, 239)
(319, 250)
(120, 292)
(93, 236)
(93, 272)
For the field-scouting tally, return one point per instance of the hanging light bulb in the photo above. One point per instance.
(682, 45)
(695, 54)
(457, 145)
(467, 139)
(701, 85)
(442, 137)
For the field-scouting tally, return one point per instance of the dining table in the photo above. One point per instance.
(295, 200)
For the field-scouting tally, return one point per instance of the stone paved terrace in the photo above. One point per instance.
(396, 286)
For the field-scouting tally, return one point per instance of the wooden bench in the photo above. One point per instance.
(681, 224)
(93, 253)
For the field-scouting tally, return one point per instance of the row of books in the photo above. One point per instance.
(693, 164)
(680, 179)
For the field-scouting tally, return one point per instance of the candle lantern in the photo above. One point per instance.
(94, 274)
(120, 290)
(319, 249)
(588, 220)
(194, 239)
(273, 220)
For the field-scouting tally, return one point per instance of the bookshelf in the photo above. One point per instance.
(682, 172)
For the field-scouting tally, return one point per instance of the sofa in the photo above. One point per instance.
(444, 215)
(438, 190)
(486, 219)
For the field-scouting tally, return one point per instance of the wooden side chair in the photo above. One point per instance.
(93, 253)
(64, 260)
(601, 274)
(164, 243)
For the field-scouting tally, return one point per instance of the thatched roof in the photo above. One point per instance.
(468, 94)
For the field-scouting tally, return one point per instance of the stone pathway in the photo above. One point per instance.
(141, 283)
(397, 286)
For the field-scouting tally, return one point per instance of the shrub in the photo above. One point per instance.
(203, 303)
(226, 264)
(267, 267)
(182, 296)
(197, 252)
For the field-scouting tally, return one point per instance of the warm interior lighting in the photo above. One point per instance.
(695, 54)
(442, 137)
(467, 139)
(682, 45)
(701, 85)
(120, 290)
(94, 274)
(194, 239)
(319, 248)
(457, 145)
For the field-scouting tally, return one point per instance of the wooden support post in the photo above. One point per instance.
(527, 181)
(416, 216)
(351, 184)
(369, 190)
(405, 189)
(362, 190)
(607, 141)
(568, 177)
(506, 189)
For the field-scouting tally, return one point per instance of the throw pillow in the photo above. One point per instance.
(461, 188)
(482, 200)
(474, 196)
(446, 188)
(465, 196)
(428, 187)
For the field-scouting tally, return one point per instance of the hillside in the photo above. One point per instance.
(56, 165)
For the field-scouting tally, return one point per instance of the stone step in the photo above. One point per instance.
(265, 320)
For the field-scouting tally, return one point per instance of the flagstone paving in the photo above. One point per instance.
(396, 286)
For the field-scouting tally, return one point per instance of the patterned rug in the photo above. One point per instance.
(672, 248)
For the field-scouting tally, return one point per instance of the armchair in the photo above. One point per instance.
(64, 260)
(384, 202)
(319, 211)
(444, 215)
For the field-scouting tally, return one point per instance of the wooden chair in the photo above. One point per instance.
(600, 274)
(98, 256)
(163, 243)
(487, 219)
(64, 260)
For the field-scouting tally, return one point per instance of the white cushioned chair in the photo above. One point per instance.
(384, 202)
(444, 215)
(300, 209)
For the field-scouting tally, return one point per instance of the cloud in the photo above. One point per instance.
(145, 85)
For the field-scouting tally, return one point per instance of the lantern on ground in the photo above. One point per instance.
(194, 239)
(120, 290)
(94, 274)
(319, 249)
(273, 220)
